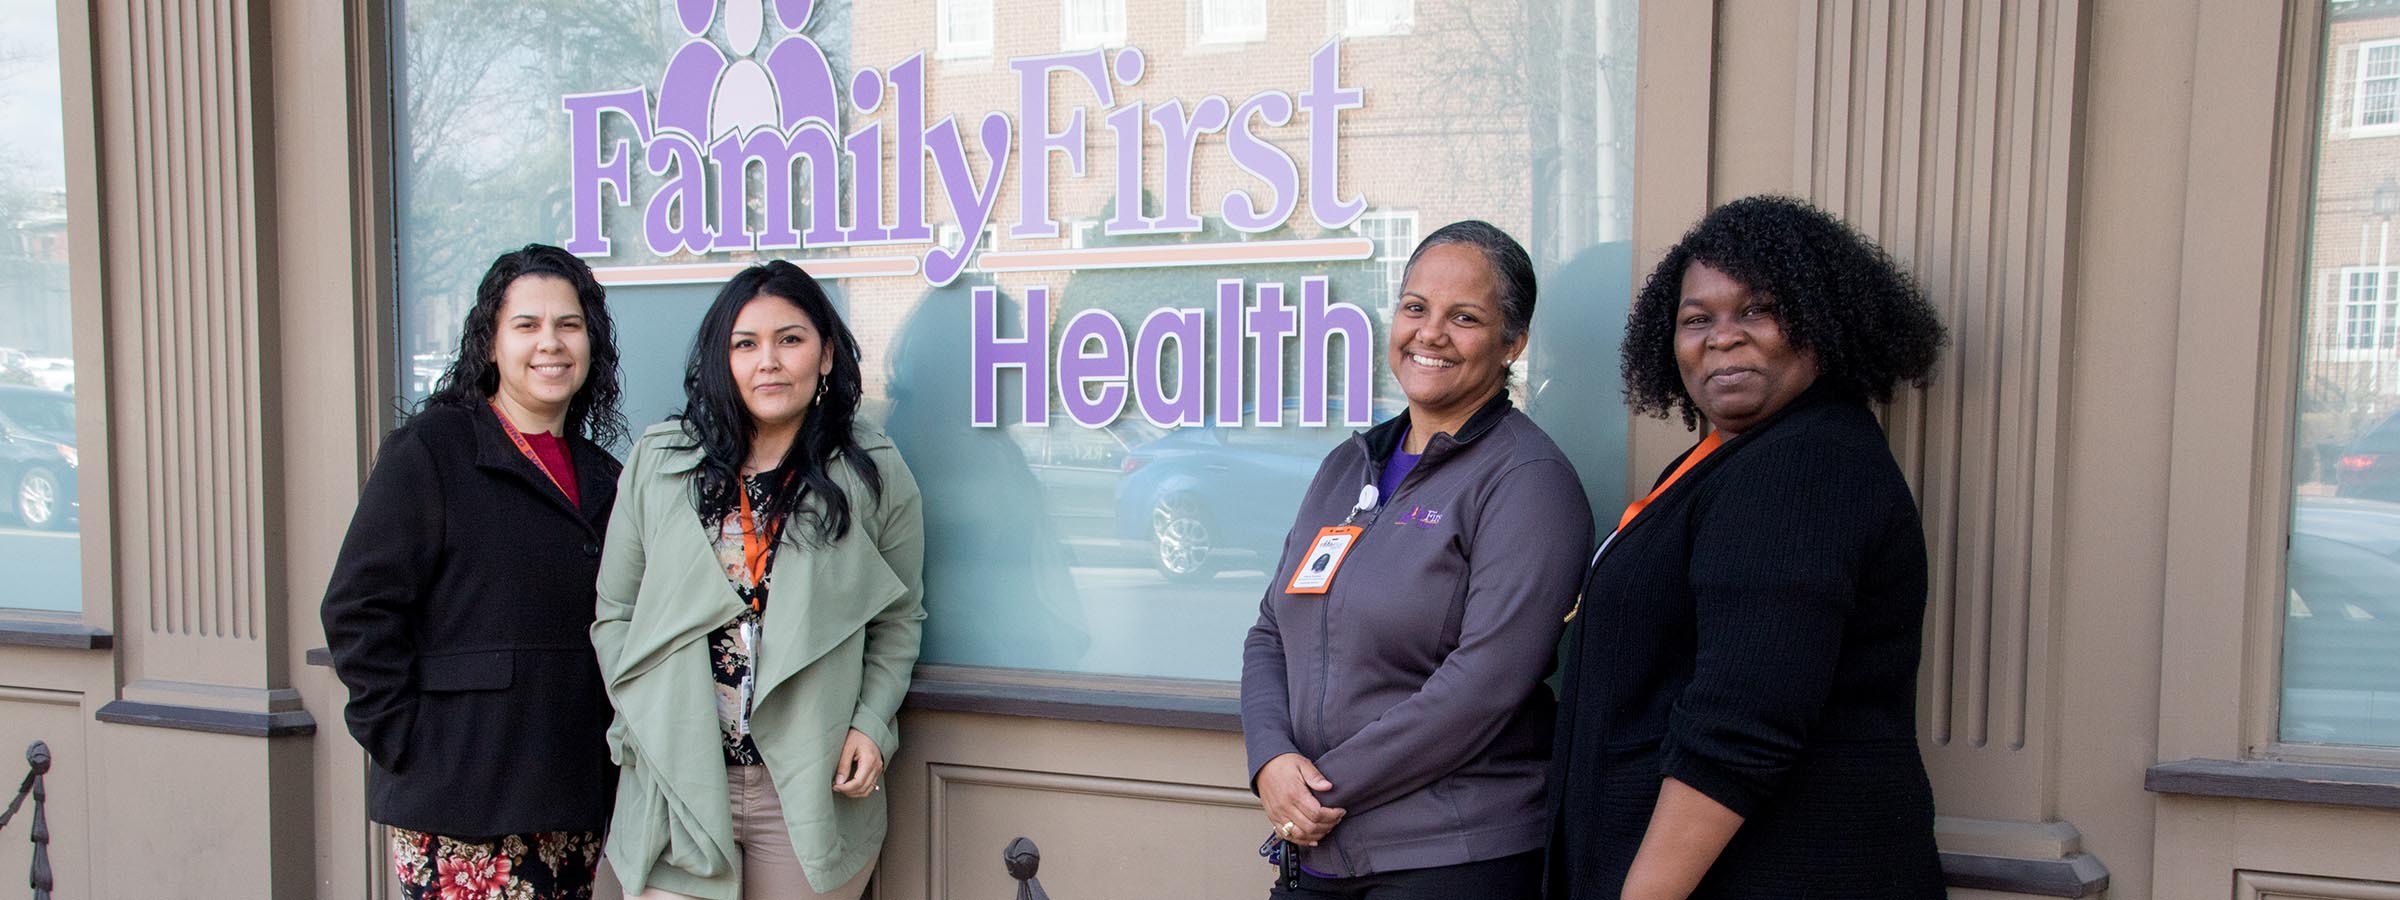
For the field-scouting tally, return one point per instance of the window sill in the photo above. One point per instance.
(2368, 787)
(1106, 699)
(63, 634)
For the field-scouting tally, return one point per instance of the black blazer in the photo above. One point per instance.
(459, 614)
(1754, 634)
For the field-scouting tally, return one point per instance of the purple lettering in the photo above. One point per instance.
(1268, 324)
(864, 148)
(598, 166)
(677, 218)
(1320, 321)
(1080, 368)
(1126, 124)
(971, 205)
(775, 152)
(1323, 101)
(1033, 108)
(1029, 355)
(1187, 329)
(1267, 162)
(1229, 351)
(1182, 136)
(908, 161)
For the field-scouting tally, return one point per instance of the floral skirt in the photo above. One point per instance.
(549, 865)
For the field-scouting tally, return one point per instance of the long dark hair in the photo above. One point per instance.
(721, 427)
(472, 378)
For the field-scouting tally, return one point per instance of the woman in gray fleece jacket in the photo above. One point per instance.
(1392, 704)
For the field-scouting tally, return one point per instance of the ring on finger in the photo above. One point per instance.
(1287, 828)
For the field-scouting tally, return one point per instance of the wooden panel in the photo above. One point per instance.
(1942, 129)
(189, 325)
(1081, 823)
(55, 718)
(2270, 886)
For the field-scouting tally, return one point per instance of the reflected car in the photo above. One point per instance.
(37, 455)
(2369, 467)
(2341, 642)
(1207, 499)
(1079, 468)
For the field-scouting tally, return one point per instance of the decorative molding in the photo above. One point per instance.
(1162, 703)
(2274, 886)
(70, 636)
(1945, 131)
(292, 723)
(940, 776)
(2080, 875)
(2372, 787)
(191, 322)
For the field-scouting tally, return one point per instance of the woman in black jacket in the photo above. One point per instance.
(458, 609)
(1738, 710)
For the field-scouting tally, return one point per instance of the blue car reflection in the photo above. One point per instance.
(1209, 499)
(37, 455)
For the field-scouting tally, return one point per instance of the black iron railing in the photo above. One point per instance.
(37, 764)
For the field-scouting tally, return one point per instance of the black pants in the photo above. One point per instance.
(1516, 877)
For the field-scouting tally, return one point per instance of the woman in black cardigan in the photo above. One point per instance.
(459, 605)
(1738, 713)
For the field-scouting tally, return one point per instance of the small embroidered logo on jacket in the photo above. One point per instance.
(1420, 517)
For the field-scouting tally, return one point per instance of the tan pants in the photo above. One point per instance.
(770, 870)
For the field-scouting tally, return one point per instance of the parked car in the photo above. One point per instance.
(1079, 468)
(1208, 498)
(2341, 642)
(53, 372)
(2369, 467)
(37, 455)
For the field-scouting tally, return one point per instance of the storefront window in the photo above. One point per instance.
(2341, 639)
(1182, 264)
(39, 546)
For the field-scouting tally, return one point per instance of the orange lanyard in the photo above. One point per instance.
(757, 549)
(526, 447)
(1706, 446)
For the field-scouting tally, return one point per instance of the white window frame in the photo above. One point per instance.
(1394, 232)
(1109, 31)
(2359, 126)
(2376, 318)
(947, 12)
(1229, 21)
(1373, 18)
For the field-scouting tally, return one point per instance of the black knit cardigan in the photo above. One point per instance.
(1754, 634)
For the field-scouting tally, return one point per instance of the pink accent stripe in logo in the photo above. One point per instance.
(702, 273)
(1143, 256)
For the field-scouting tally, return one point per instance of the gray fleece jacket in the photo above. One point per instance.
(1414, 684)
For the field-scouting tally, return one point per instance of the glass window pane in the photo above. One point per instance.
(39, 545)
(2341, 638)
(1126, 528)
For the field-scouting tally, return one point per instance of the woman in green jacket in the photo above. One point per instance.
(752, 725)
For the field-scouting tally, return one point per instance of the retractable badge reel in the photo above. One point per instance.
(1315, 573)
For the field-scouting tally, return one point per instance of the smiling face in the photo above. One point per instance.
(1446, 348)
(541, 348)
(1732, 353)
(778, 358)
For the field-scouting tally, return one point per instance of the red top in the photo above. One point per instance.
(553, 451)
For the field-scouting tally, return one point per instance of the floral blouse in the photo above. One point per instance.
(729, 654)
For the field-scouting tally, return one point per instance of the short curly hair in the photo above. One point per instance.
(1836, 294)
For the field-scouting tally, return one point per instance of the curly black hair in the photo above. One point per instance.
(1836, 294)
(472, 378)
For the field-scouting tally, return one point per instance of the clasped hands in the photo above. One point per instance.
(1288, 786)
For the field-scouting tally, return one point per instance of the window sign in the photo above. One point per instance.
(1116, 300)
(39, 546)
(2341, 603)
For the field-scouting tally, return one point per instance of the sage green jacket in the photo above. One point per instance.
(838, 640)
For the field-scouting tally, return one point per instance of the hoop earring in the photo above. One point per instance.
(820, 401)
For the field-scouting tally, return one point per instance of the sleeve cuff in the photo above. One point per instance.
(1263, 749)
(886, 738)
(1741, 795)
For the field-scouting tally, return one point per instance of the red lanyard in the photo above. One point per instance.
(526, 447)
(1707, 445)
(757, 549)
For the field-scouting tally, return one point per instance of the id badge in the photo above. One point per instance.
(1315, 572)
